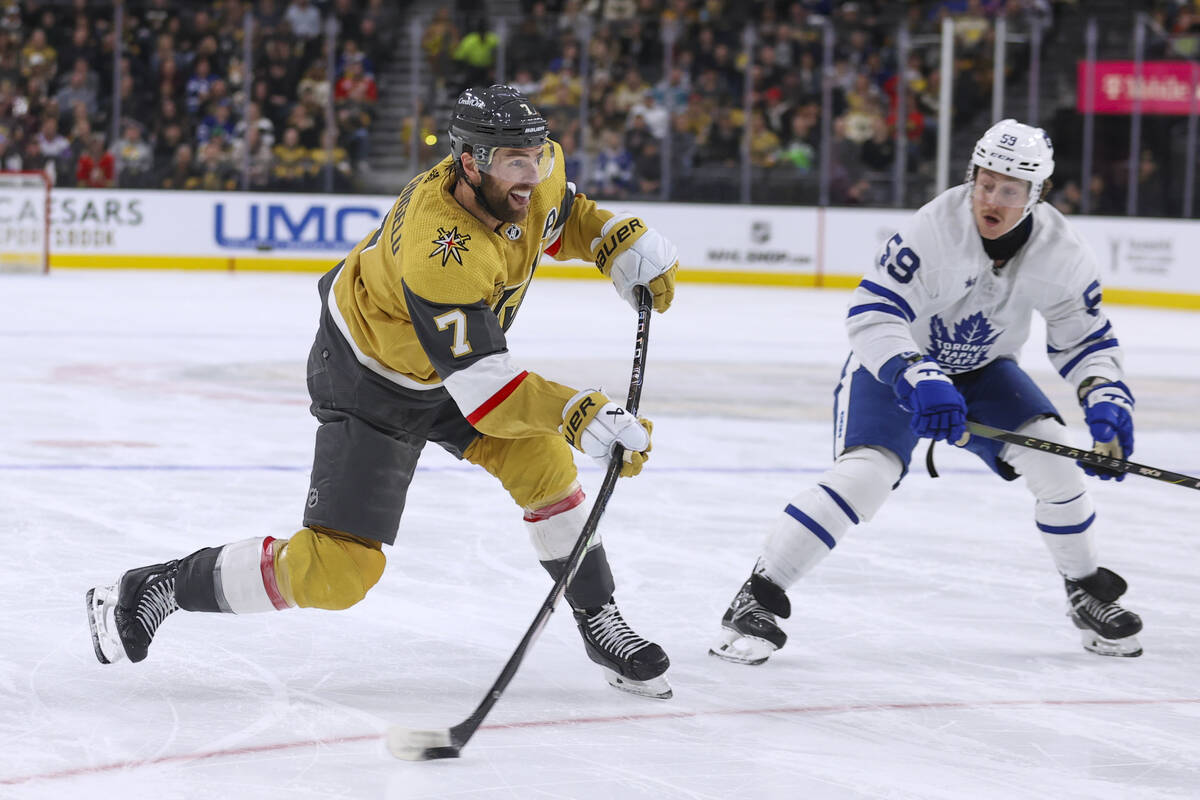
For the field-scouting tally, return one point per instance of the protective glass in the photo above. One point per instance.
(997, 191)
(525, 165)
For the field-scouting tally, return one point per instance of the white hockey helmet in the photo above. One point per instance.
(1016, 149)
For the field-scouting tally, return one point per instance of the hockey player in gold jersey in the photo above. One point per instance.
(411, 348)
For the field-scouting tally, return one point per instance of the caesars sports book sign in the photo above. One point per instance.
(91, 227)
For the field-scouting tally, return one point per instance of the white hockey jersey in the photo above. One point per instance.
(933, 290)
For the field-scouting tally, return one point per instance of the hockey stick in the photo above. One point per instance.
(423, 745)
(1119, 465)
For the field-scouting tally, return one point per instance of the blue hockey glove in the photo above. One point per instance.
(1108, 410)
(938, 409)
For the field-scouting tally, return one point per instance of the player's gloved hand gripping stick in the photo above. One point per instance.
(423, 745)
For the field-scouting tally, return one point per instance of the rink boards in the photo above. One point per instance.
(1142, 261)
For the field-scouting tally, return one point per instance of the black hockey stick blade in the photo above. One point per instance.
(412, 744)
(417, 745)
(1117, 465)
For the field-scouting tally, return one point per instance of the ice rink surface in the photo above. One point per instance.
(148, 415)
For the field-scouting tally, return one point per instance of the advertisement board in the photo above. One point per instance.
(1141, 260)
(1165, 87)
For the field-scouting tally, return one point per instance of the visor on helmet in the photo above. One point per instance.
(999, 190)
(526, 165)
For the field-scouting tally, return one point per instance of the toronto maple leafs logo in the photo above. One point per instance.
(967, 348)
(450, 244)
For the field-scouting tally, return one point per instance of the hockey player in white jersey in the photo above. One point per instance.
(935, 329)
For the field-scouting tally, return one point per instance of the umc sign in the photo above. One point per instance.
(291, 226)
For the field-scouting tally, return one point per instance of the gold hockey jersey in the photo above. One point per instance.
(424, 301)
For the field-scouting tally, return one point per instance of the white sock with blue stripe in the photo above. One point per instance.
(1067, 531)
(816, 519)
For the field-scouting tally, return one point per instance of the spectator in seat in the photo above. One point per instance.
(166, 142)
(96, 167)
(292, 163)
(304, 20)
(181, 173)
(655, 114)
(216, 168)
(637, 134)
(137, 159)
(612, 168)
(352, 52)
(80, 87)
(199, 85)
(764, 144)
(647, 168)
(475, 54)
(51, 143)
(331, 156)
(723, 145)
(38, 56)
(799, 151)
(315, 84)
(630, 91)
(219, 119)
(356, 84)
(261, 157)
(879, 152)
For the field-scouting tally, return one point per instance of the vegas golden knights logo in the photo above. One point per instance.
(510, 300)
(450, 244)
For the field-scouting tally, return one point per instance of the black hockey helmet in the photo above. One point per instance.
(485, 120)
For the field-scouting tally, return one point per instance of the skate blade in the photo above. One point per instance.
(99, 605)
(738, 649)
(656, 688)
(1129, 647)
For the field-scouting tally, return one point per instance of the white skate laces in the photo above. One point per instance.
(155, 605)
(612, 633)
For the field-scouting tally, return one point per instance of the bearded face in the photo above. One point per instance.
(508, 201)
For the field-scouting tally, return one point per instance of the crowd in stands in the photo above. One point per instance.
(677, 99)
(191, 117)
(690, 114)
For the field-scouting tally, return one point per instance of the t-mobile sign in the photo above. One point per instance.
(1165, 87)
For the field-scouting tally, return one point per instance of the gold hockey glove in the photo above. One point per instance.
(633, 254)
(592, 424)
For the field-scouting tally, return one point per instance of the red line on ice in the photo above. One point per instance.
(366, 737)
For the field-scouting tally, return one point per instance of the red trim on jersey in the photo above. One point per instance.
(499, 397)
(553, 248)
(266, 564)
(546, 512)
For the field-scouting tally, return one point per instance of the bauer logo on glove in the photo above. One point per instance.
(593, 424)
(633, 254)
(616, 238)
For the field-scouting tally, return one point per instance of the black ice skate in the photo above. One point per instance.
(749, 633)
(1105, 627)
(123, 618)
(630, 662)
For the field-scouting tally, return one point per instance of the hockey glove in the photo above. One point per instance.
(938, 409)
(632, 254)
(1108, 410)
(592, 424)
